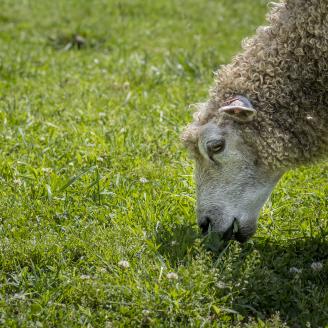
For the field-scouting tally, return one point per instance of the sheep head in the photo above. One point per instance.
(232, 183)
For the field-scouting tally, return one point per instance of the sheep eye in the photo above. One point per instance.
(215, 147)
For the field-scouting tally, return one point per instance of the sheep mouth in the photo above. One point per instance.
(216, 241)
(241, 237)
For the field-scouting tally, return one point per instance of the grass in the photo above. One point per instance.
(92, 173)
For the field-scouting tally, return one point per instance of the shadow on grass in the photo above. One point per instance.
(290, 279)
(177, 242)
(262, 278)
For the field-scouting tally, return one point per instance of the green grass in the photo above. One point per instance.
(92, 172)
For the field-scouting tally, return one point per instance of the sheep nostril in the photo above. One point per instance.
(228, 233)
(204, 225)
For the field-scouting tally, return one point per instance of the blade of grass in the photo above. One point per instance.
(76, 177)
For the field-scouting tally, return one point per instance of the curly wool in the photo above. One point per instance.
(283, 71)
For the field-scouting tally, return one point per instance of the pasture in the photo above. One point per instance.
(93, 98)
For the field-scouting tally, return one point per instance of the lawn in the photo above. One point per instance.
(93, 98)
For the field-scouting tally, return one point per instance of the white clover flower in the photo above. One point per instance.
(85, 276)
(295, 270)
(316, 266)
(145, 312)
(172, 276)
(123, 264)
(143, 180)
(20, 296)
(18, 182)
(221, 285)
(46, 170)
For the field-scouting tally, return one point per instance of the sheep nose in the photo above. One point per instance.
(204, 224)
(228, 234)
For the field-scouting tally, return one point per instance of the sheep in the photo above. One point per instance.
(267, 113)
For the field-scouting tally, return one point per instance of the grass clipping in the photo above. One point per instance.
(215, 242)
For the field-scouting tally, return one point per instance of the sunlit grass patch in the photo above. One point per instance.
(97, 222)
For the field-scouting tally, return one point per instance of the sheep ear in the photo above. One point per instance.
(239, 109)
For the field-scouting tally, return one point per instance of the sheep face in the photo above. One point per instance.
(232, 184)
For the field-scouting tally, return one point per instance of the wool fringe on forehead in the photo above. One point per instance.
(283, 71)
